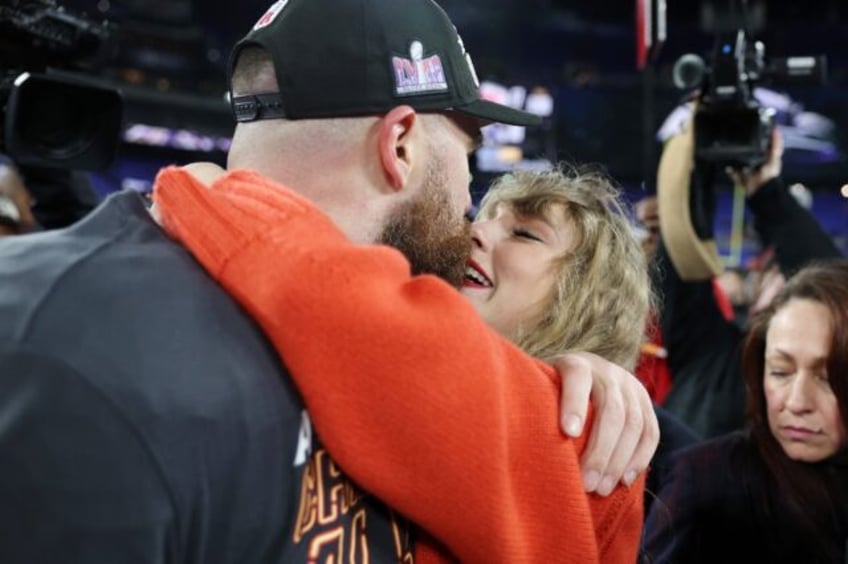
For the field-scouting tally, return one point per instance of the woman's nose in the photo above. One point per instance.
(480, 235)
(799, 394)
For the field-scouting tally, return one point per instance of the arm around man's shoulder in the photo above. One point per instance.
(77, 481)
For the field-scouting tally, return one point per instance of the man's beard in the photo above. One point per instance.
(424, 230)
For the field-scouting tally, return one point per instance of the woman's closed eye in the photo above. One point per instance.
(779, 371)
(526, 234)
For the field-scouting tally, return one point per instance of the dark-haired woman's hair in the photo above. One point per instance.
(811, 491)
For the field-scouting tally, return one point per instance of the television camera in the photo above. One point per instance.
(731, 127)
(53, 113)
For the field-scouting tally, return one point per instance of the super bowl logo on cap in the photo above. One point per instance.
(272, 13)
(418, 74)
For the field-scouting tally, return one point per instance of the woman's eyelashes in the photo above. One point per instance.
(526, 234)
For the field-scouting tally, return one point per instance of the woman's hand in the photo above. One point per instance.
(625, 432)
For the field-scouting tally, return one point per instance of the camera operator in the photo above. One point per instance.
(16, 215)
(702, 340)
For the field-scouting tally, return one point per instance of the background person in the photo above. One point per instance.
(698, 329)
(777, 491)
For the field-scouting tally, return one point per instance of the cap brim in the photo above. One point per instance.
(496, 113)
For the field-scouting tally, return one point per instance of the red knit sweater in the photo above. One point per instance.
(415, 398)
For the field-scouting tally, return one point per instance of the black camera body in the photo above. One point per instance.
(731, 127)
(53, 113)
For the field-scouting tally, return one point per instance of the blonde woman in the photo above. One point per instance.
(448, 428)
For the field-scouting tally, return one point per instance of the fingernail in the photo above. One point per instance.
(572, 425)
(630, 477)
(606, 487)
(590, 480)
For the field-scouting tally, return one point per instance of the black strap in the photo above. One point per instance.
(255, 107)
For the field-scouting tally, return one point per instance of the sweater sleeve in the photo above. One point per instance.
(413, 395)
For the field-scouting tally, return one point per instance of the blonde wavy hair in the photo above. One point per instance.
(601, 299)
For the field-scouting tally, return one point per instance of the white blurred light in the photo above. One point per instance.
(540, 103)
(845, 191)
(802, 194)
(136, 185)
(182, 139)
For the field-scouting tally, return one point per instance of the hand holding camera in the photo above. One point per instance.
(751, 178)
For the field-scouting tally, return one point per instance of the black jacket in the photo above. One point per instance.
(721, 504)
(144, 418)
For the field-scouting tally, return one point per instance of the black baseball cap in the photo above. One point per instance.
(339, 58)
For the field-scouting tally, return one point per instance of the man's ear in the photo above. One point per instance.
(396, 144)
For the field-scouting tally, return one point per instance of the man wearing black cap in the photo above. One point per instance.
(143, 415)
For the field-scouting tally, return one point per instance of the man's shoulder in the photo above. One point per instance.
(113, 272)
(36, 268)
(110, 318)
(138, 319)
